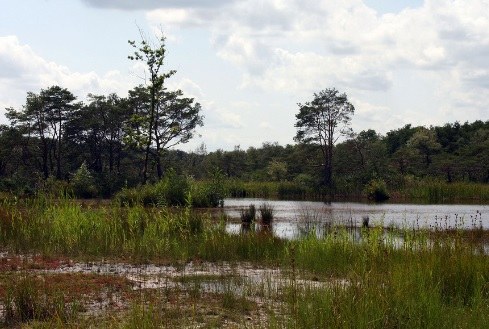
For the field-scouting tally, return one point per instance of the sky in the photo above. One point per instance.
(250, 62)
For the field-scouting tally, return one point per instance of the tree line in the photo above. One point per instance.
(109, 142)
(53, 135)
(453, 152)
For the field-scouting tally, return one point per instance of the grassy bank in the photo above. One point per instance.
(379, 279)
(423, 191)
(438, 192)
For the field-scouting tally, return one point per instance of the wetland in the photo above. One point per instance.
(65, 263)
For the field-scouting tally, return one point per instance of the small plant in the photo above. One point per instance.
(215, 191)
(365, 221)
(248, 215)
(266, 213)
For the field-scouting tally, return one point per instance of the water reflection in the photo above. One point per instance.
(248, 228)
(293, 219)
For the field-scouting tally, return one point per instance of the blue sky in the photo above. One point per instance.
(249, 62)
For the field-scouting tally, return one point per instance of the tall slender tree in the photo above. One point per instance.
(161, 119)
(153, 56)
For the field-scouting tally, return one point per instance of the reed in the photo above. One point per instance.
(437, 191)
(27, 299)
(367, 278)
(174, 190)
(266, 213)
(248, 215)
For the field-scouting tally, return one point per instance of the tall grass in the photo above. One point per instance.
(65, 227)
(266, 213)
(278, 190)
(436, 192)
(431, 191)
(248, 215)
(174, 190)
(26, 300)
(395, 278)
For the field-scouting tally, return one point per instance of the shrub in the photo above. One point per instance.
(174, 190)
(376, 190)
(82, 183)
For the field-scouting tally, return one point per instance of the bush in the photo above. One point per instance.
(82, 183)
(209, 193)
(174, 190)
(376, 190)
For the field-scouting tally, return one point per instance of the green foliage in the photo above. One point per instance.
(175, 190)
(277, 170)
(322, 121)
(209, 193)
(376, 190)
(172, 190)
(242, 189)
(368, 278)
(82, 183)
(424, 141)
(436, 191)
(53, 187)
(128, 141)
(293, 190)
(167, 118)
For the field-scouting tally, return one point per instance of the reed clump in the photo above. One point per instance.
(173, 191)
(248, 214)
(26, 300)
(266, 213)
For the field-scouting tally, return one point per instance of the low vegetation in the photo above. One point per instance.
(363, 278)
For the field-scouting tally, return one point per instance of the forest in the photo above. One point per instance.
(108, 143)
(56, 140)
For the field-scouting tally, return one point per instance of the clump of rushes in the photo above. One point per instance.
(27, 300)
(248, 215)
(266, 213)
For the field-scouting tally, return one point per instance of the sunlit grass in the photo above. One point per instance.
(363, 278)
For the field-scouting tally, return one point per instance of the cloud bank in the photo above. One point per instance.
(153, 4)
(295, 46)
(22, 70)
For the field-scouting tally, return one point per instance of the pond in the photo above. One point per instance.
(292, 218)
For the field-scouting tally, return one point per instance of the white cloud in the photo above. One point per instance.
(23, 70)
(152, 4)
(423, 65)
(301, 46)
(190, 88)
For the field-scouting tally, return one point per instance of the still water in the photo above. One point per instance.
(291, 218)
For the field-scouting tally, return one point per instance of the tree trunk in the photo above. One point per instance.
(150, 135)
